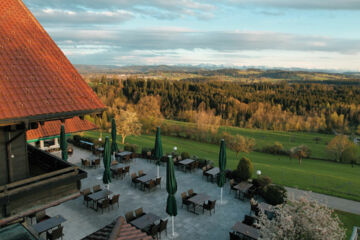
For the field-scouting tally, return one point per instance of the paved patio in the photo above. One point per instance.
(82, 221)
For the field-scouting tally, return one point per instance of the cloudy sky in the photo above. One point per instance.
(272, 33)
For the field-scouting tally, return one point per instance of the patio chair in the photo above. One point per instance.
(103, 205)
(129, 216)
(163, 227)
(204, 169)
(134, 179)
(141, 173)
(232, 185)
(209, 206)
(96, 163)
(96, 188)
(233, 236)
(119, 173)
(86, 193)
(41, 216)
(249, 220)
(154, 230)
(55, 234)
(114, 200)
(191, 193)
(185, 201)
(254, 206)
(126, 170)
(139, 212)
(150, 185)
(158, 182)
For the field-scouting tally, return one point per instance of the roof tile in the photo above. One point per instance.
(33, 68)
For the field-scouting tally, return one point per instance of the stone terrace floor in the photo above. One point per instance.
(82, 221)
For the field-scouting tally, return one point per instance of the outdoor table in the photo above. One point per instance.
(123, 155)
(213, 172)
(145, 220)
(48, 224)
(186, 162)
(117, 166)
(146, 178)
(246, 230)
(242, 187)
(198, 199)
(95, 197)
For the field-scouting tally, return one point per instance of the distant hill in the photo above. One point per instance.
(213, 73)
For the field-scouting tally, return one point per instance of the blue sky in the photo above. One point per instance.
(271, 33)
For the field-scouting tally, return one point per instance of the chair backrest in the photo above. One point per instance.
(119, 171)
(204, 169)
(190, 192)
(163, 225)
(232, 182)
(139, 212)
(40, 215)
(158, 181)
(127, 169)
(133, 176)
(129, 216)
(152, 184)
(212, 203)
(86, 191)
(183, 195)
(96, 188)
(105, 203)
(154, 229)
(141, 172)
(115, 199)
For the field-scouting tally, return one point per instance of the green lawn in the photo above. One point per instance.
(319, 176)
(288, 139)
(349, 220)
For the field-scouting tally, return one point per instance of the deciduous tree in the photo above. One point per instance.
(127, 123)
(337, 146)
(300, 152)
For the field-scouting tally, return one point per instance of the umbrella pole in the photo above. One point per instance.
(158, 171)
(221, 193)
(173, 228)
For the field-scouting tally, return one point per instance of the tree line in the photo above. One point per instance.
(273, 106)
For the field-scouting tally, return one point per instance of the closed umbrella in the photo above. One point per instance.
(114, 146)
(222, 166)
(63, 144)
(107, 163)
(171, 188)
(158, 149)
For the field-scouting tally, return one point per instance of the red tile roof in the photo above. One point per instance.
(52, 128)
(37, 81)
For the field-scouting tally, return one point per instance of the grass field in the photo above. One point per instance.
(349, 220)
(288, 139)
(316, 175)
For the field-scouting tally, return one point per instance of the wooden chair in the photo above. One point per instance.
(233, 236)
(96, 188)
(158, 182)
(139, 212)
(119, 172)
(86, 192)
(134, 179)
(232, 185)
(141, 173)
(163, 227)
(129, 216)
(103, 205)
(204, 169)
(55, 234)
(96, 163)
(41, 216)
(114, 200)
(150, 185)
(191, 193)
(154, 230)
(126, 170)
(185, 201)
(209, 206)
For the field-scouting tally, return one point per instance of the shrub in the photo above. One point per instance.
(261, 182)
(185, 155)
(276, 148)
(274, 194)
(244, 170)
(131, 147)
(202, 162)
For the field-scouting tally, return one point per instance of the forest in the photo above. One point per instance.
(285, 106)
